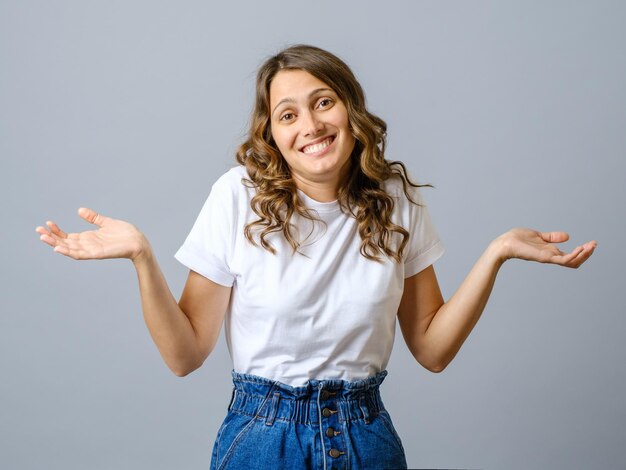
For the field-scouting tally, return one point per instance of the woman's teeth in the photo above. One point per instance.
(318, 147)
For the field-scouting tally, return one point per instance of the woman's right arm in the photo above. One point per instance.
(184, 332)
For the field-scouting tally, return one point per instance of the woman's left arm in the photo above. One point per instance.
(435, 331)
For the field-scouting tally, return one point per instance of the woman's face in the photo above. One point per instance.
(311, 129)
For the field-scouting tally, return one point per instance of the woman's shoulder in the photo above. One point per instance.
(229, 190)
(393, 185)
(397, 187)
(232, 181)
(232, 177)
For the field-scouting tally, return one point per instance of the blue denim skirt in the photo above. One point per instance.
(325, 424)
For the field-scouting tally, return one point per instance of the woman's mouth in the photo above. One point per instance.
(318, 147)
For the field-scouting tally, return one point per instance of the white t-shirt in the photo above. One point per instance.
(329, 313)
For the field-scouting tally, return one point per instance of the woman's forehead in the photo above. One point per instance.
(294, 85)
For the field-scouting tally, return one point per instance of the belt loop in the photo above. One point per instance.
(364, 409)
(274, 408)
(232, 398)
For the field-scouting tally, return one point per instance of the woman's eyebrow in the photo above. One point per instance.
(292, 100)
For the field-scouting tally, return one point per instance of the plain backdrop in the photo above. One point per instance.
(514, 111)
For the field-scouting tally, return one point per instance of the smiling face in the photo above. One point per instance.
(311, 129)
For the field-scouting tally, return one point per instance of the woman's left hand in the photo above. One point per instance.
(531, 245)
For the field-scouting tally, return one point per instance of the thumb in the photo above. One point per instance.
(91, 216)
(555, 237)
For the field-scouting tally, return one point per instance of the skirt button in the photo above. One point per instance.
(334, 453)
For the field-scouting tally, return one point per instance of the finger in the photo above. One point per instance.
(555, 237)
(565, 259)
(54, 242)
(584, 256)
(579, 259)
(44, 231)
(48, 239)
(581, 253)
(54, 228)
(591, 244)
(64, 250)
(578, 256)
(72, 251)
(91, 216)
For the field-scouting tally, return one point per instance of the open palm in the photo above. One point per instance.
(533, 245)
(113, 239)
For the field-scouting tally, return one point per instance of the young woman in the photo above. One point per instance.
(308, 251)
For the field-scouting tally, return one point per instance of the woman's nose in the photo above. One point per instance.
(312, 125)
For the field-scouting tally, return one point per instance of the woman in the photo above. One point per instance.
(307, 252)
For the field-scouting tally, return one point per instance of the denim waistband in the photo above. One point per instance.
(273, 400)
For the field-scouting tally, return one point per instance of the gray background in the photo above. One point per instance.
(515, 111)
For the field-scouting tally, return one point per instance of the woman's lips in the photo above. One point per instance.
(318, 146)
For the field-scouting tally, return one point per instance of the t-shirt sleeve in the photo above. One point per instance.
(425, 246)
(208, 246)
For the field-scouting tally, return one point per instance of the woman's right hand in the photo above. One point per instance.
(113, 239)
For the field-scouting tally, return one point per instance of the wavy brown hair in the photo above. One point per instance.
(362, 194)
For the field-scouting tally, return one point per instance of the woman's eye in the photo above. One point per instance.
(324, 103)
(286, 117)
